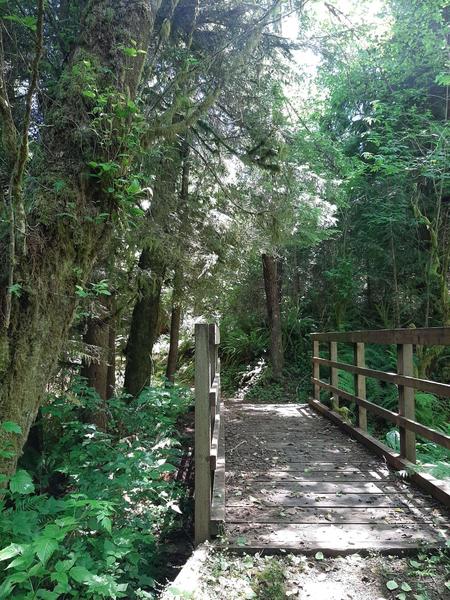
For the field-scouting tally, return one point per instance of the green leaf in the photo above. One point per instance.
(415, 564)
(401, 596)
(62, 566)
(10, 551)
(392, 585)
(54, 532)
(443, 79)
(47, 594)
(44, 548)
(80, 292)
(134, 187)
(406, 587)
(21, 483)
(69, 522)
(10, 582)
(106, 523)
(11, 427)
(80, 574)
(319, 556)
(23, 561)
(59, 185)
(62, 582)
(89, 94)
(15, 289)
(28, 22)
(129, 51)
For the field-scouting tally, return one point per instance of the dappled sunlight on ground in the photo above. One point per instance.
(317, 578)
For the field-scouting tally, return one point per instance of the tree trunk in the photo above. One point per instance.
(95, 369)
(59, 251)
(175, 322)
(144, 323)
(153, 264)
(177, 292)
(272, 285)
(111, 375)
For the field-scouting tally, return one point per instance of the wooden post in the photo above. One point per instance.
(360, 384)
(316, 369)
(212, 351)
(334, 374)
(406, 401)
(202, 434)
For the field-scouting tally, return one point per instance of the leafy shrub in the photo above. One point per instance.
(239, 346)
(118, 502)
(393, 439)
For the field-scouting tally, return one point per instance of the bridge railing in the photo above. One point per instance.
(405, 417)
(209, 434)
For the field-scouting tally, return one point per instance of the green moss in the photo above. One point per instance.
(269, 584)
(4, 352)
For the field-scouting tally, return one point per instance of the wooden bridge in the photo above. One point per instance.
(304, 478)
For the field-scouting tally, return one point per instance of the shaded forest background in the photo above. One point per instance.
(281, 168)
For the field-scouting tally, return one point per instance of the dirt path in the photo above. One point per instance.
(422, 577)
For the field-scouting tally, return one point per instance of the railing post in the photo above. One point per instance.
(214, 371)
(334, 374)
(406, 401)
(212, 350)
(202, 433)
(316, 369)
(360, 383)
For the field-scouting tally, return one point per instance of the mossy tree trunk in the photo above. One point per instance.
(154, 263)
(95, 368)
(144, 322)
(111, 374)
(64, 226)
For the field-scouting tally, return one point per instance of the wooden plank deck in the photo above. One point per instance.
(296, 482)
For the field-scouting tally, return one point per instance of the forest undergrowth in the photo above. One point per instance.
(89, 515)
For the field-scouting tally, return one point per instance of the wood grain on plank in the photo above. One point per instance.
(295, 481)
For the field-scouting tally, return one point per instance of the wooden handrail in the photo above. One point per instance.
(426, 432)
(209, 438)
(429, 336)
(424, 385)
(403, 379)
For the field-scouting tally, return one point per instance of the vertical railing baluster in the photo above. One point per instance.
(316, 369)
(406, 401)
(360, 383)
(334, 379)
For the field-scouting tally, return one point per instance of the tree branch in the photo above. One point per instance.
(22, 154)
(16, 209)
